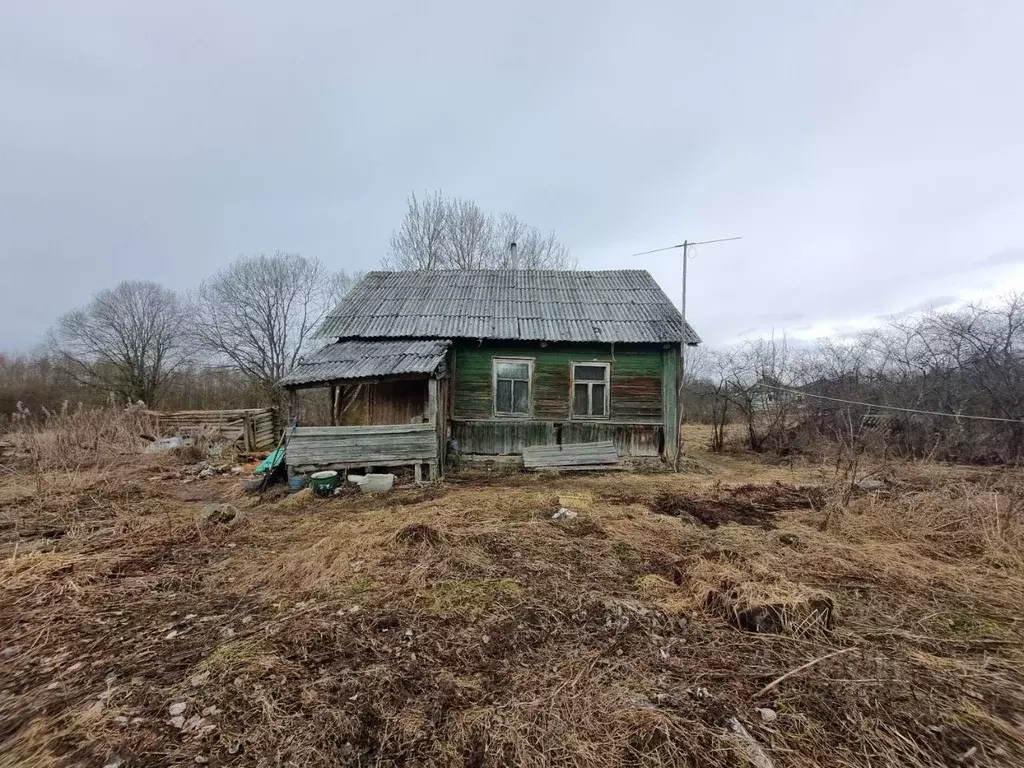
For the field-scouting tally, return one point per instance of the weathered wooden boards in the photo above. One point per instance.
(252, 428)
(483, 439)
(378, 445)
(601, 455)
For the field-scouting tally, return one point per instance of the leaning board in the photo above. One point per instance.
(600, 455)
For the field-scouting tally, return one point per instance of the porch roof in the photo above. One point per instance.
(360, 359)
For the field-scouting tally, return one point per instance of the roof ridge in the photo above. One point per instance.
(497, 270)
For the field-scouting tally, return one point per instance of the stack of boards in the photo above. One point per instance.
(251, 428)
(579, 456)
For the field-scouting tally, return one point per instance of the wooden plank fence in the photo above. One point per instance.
(252, 428)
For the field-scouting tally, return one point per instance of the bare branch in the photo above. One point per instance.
(260, 312)
(127, 340)
(440, 232)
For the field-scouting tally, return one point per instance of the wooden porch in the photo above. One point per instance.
(375, 425)
(385, 407)
(311, 449)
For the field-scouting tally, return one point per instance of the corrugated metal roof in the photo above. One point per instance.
(364, 359)
(624, 305)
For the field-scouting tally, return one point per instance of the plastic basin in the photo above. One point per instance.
(323, 483)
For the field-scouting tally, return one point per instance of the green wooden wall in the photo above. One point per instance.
(636, 380)
(509, 436)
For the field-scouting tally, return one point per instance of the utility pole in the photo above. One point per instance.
(682, 308)
(685, 245)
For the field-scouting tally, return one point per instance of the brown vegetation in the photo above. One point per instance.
(885, 388)
(465, 626)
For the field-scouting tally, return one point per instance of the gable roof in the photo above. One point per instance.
(624, 305)
(366, 359)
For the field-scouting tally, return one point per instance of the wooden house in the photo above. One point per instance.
(490, 362)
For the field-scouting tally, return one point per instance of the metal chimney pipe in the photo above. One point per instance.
(515, 255)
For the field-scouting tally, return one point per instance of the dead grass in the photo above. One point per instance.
(463, 626)
(74, 438)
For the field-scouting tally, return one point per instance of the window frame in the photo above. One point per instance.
(590, 390)
(529, 387)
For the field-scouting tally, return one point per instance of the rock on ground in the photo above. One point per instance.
(227, 514)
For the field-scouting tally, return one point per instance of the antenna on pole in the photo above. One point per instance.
(685, 245)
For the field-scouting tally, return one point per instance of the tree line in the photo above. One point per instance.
(228, 342)
(962, 363)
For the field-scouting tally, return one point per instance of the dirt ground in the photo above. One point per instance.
(671, 622)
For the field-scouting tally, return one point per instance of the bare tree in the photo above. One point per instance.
(127, 340)
(419, 243)
(440, 232)
(259, 313)
(534, 249)
(710, 379)
(469, 236)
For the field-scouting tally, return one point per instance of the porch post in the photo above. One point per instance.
(670, 400)
(293, 405)
(432, 400)
(433, 417)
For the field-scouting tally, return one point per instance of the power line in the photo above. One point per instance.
(685, 245)
(893, 407)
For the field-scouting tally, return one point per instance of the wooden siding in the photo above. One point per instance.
(635, 378)
(506, 436)
(402, 401)
(629, 439)
(311, 448)
(498, 437)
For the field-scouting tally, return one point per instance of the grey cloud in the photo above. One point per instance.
(1007, 256)
(780, 317)
(937, 302)
(159, 141)
(848, 333)
(934, 303)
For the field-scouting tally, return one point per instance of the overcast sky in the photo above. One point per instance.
(871, 154)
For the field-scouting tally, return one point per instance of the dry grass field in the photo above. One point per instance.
(731, 615)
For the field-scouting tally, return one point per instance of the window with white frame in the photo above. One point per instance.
(590, 390)
(512, 377)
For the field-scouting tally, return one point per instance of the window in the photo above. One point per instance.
(512, 386)
(590, 390)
